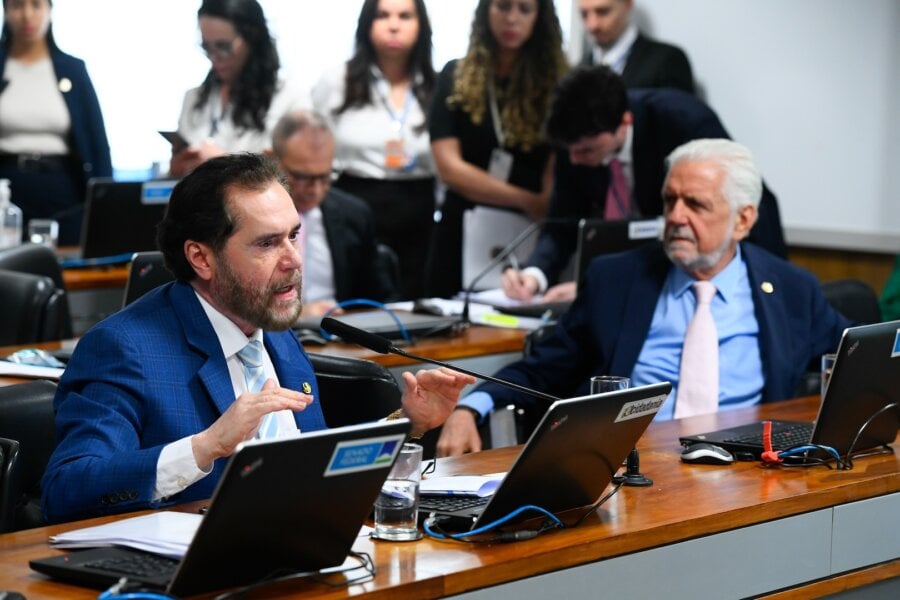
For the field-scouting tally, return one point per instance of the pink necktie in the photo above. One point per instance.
(698, 385)
(618, 197)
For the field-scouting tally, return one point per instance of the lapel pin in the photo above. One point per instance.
(307, 389)
(767, 287)
(65, 85)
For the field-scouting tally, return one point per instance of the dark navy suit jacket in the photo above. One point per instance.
(145, 377)
(605, 328)
(663, 120)
(651, 63)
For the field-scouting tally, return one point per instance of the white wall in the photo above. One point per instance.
(813, 88)
(142, 56)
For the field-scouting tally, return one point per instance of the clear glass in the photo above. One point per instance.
(609, 383)
(43, 231)
(397, 506)
(827, 366)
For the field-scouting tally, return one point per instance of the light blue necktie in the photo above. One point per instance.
(251, 357)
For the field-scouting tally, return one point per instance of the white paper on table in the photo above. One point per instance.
(462, 485)
(165, 532)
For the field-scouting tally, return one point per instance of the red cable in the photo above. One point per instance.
(768, 454)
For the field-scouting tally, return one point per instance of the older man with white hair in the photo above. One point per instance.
(729, 324)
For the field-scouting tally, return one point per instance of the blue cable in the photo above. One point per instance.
(363, 302)
(808, 448)
(489, 526)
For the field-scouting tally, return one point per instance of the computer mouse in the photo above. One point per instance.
(7, 595)
(706, 454)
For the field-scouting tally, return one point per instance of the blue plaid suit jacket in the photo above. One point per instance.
(143, 378)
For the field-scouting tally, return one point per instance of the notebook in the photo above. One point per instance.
(567, 462)
(865, 380)
(381, 323)
(120, 217)
(287, 505)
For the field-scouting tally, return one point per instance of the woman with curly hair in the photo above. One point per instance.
(377, 103)
(486, 127)
(239, 102)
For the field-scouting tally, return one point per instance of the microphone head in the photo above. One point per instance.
(354, 335)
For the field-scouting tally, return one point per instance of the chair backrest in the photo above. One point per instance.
(9, 483)
(31, 309)
(37, 259)
(146, 271)
(854, 299)
(389, 271)
(26, 416)
(353, 390)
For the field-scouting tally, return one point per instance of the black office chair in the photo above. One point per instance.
(389, 270)
(854, 299)
(26, 416)
(32, 309)
(353, 390)
(146, 271)
(9, 482)
(37, 259)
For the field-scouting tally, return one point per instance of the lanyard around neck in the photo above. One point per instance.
(495, 113)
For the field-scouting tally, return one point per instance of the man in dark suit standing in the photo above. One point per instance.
(338, 235)
(641, 61)
(613, 166)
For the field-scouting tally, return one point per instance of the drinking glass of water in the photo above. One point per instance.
(397, 506)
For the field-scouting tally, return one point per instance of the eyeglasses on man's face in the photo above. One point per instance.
(309, 179)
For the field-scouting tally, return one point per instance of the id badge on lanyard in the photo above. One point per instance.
(395, 156)
(501, 163)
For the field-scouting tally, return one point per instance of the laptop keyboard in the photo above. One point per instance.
(138, 566)
(451, 503)
(783, 436)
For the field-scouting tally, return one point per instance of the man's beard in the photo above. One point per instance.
(701, 261)
(254, 304)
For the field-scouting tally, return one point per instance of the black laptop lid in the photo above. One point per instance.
(575, 450)
(597, 237)
(295, 505)
(864, 383)
(121, 216)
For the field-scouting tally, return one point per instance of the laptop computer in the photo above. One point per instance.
(121, 216)
(864, 383)
(289, 505)
(595, 237)
(568, 461)
(380, 322)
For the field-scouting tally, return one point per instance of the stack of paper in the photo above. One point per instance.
(165, 532)
(461, 485)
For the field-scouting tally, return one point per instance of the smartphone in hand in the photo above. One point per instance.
(174, 138)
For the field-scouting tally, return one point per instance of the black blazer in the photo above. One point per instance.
(350, 229)
(663, 120)
(653, 64)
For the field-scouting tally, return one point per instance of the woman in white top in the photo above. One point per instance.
(378, 102)
(52, 137)
(242, 97)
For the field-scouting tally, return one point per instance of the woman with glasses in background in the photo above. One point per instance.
(486, 127)
(242, 97)
(52, 137)
(378, 102)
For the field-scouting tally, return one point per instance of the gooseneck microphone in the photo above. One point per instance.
(376, 343)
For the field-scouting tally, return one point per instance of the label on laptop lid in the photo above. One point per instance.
(363, 454)
(896, 351)
(156, 192)
(640, 408)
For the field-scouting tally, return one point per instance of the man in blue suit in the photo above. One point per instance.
(631, 316)
(596, 121)
(155, 395)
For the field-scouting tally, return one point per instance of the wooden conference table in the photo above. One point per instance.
(699, 531)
